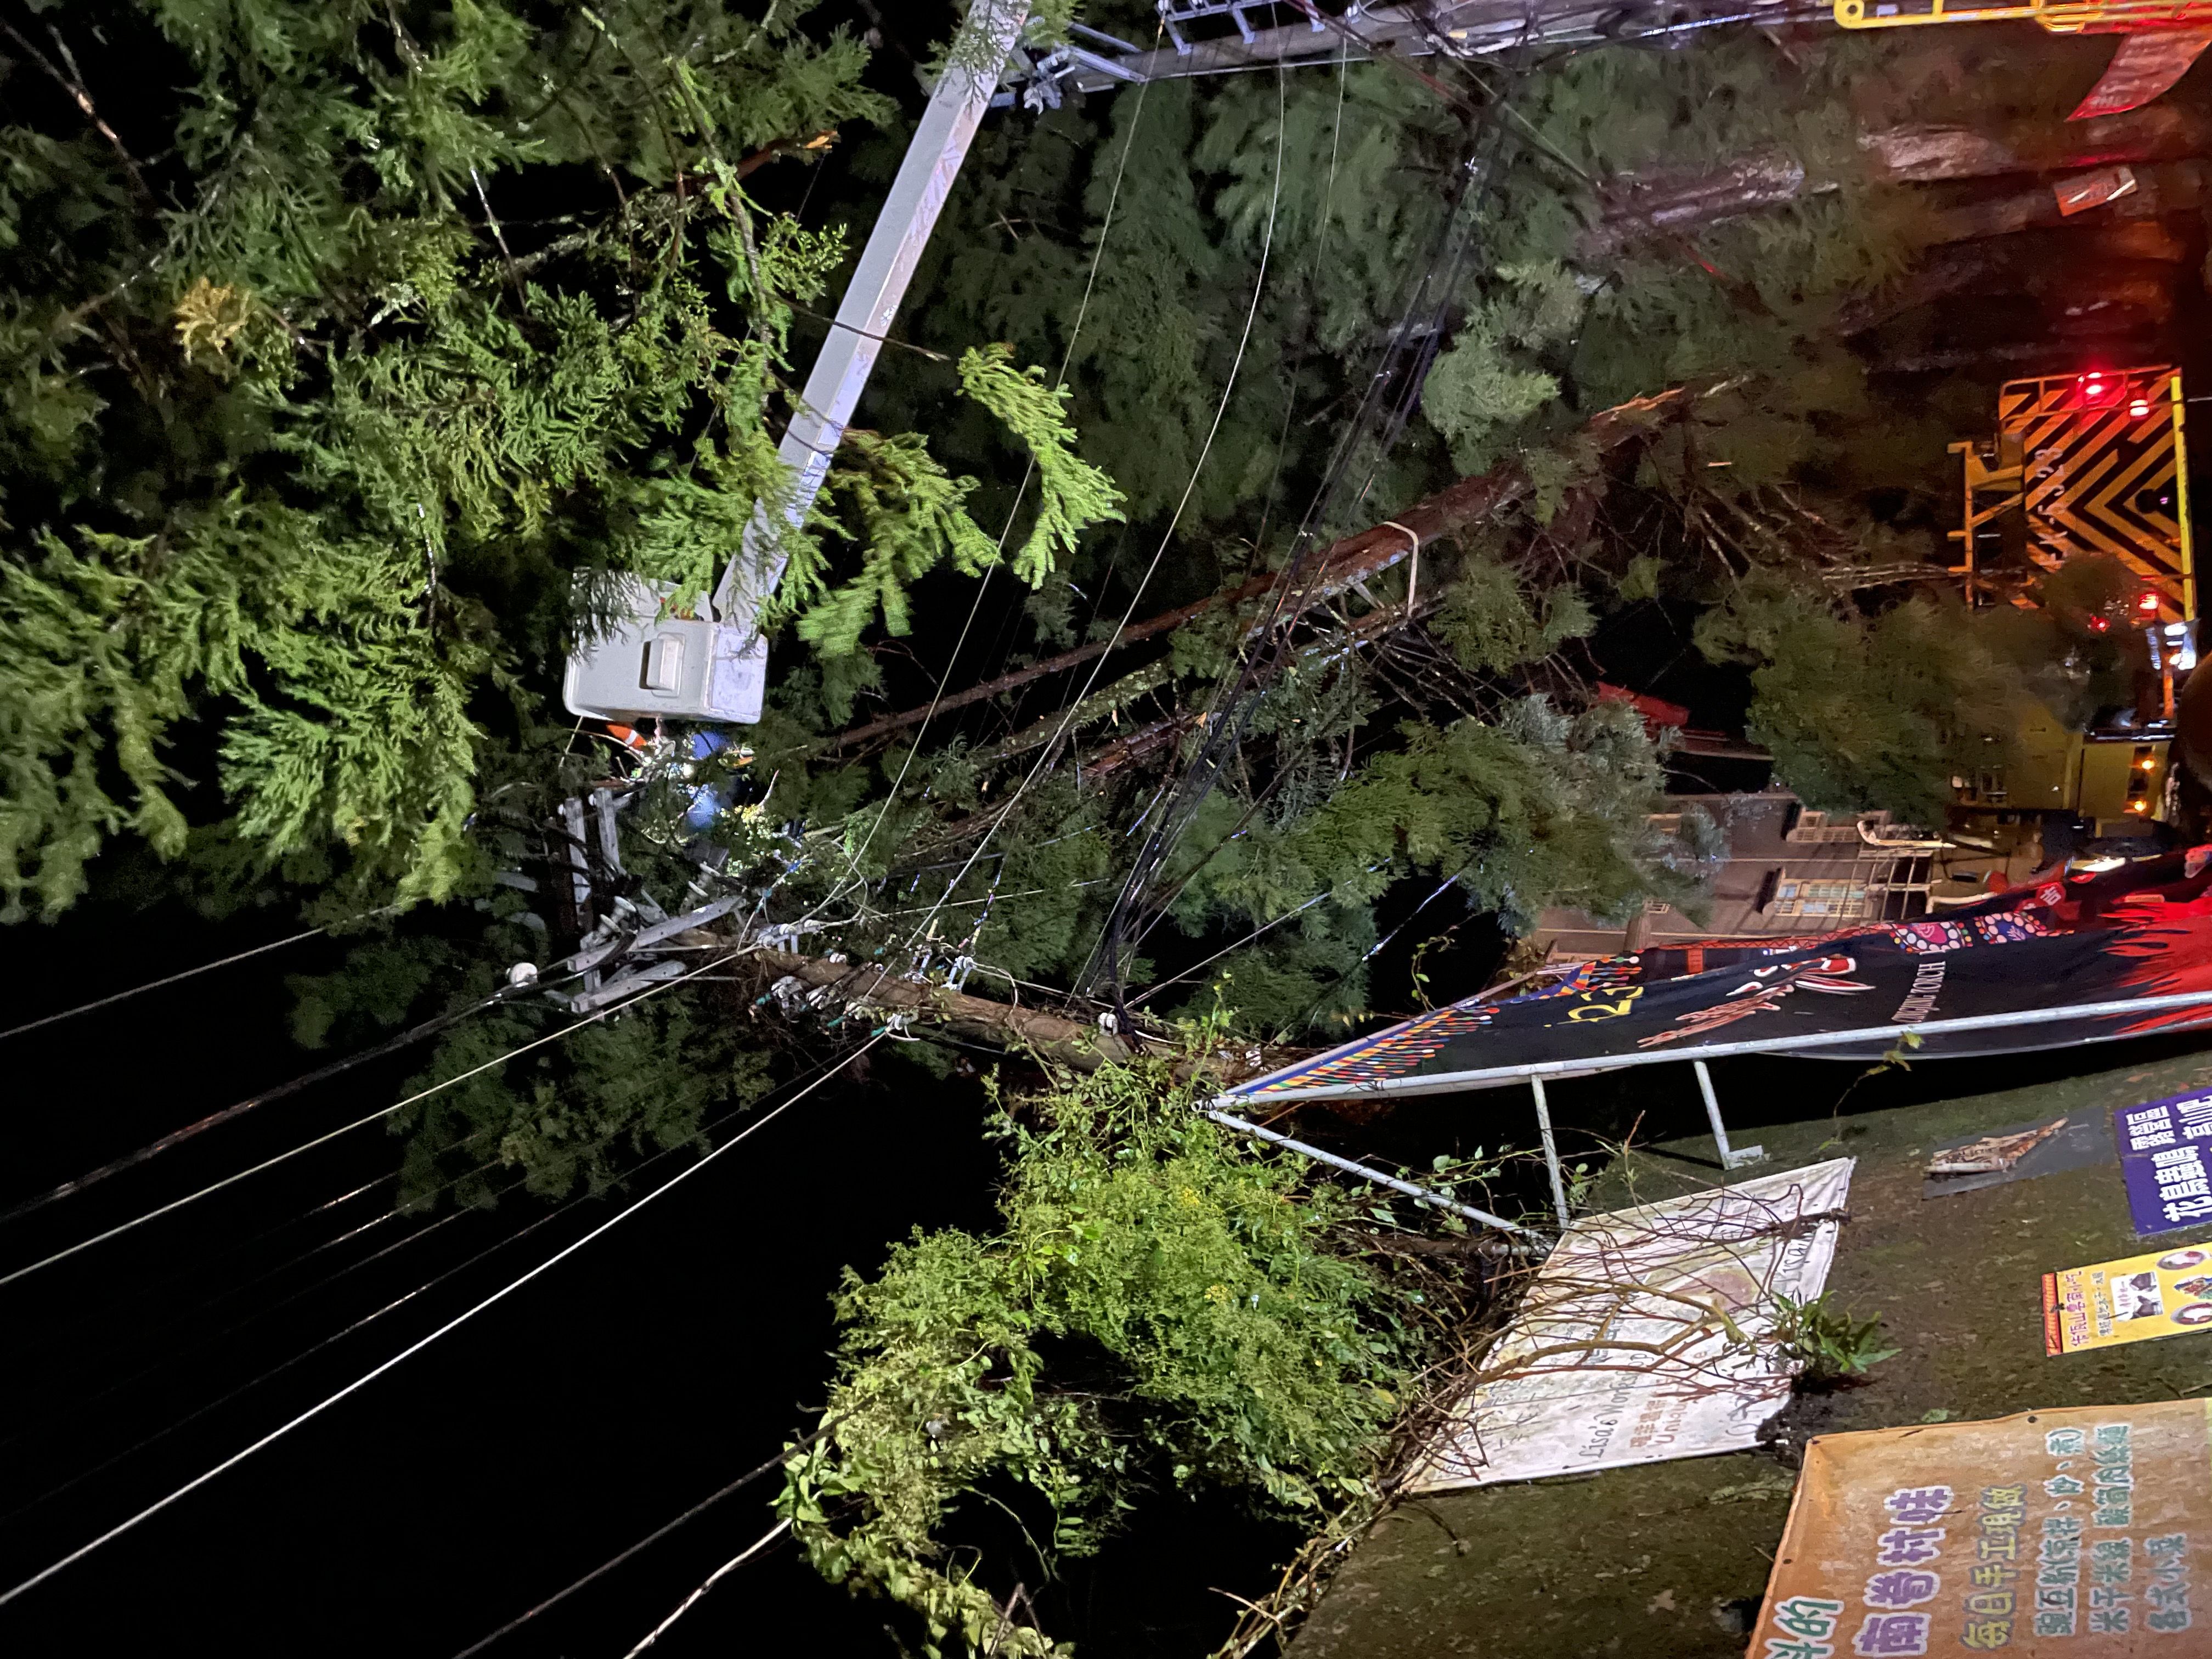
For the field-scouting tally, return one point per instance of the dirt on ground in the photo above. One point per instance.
(1669, 1561)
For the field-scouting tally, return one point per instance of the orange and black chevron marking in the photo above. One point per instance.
(2104, 473)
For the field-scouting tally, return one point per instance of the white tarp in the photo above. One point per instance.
(1623, 1351)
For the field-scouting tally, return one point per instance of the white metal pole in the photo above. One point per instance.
(1244, 1126)
(1730, 1160)
(1551, 1149)
(871, 300)
(1446, 1083)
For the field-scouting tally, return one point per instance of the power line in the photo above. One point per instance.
(363, 1381)
(712, 1579)
(432, 1284)
(189, 973)
(1221, 411)
(705, 1504)
(1066, 360)
(321, 1074)
(260, 1314)
(358, 1123)
(308, 1352)
(1236, 695)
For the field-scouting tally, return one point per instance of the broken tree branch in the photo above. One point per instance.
(1343, 563)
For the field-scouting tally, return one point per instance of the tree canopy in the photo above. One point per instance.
(1221, 571)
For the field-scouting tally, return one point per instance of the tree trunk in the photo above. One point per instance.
(1335, 569)
(1075, 1043)
(1071, 1043)
(1662, 204)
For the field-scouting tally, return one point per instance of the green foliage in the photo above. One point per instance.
(1540, 808)
(315, 459)
(1825, 1343)
(353, 726)
(565, 1116)
(1073, 495)
(1490, 626)
(1868, 712)
(1159, 1306)
(574, 1116)
(910, 515)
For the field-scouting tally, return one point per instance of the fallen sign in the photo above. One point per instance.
(2160, 1293)
(2162, 1156)
(2075, 1531)
(1647, 1335)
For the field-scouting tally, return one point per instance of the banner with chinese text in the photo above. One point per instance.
(2162, 1152)
(2160, 1293)
(1622, 1351)
(2073, 1532)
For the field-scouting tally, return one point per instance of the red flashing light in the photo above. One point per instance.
(2098, 390)
(2140, 407)
(2147, 603)
(2100, 624)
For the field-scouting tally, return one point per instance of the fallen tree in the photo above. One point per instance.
(1340, 567)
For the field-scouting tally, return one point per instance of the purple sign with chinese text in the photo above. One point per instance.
(2165, 1154)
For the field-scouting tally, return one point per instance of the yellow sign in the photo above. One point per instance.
(2073, 1532)
(2162, 1293)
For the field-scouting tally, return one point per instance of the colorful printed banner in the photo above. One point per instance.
(1657, 1280)
(2163, 1144)
(2162, 1293)
(2073, 1532)
(2146, 66)
(2142, 930)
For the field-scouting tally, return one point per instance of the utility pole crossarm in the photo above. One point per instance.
(1217, 37)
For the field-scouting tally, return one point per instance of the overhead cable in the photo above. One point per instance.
(189, 973)
(308, 1352)
(1236, 697)
(322, 1074)
(344, 1129)
(232, 1329)
(1051, 749)
(462, 1267)
(452, 1324)
(1067, 358)
(698, 1508)
(712, 1579)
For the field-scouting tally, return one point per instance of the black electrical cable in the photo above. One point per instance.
(189, 973)
(806, 1080)
(259, 1314)
(1235, 701)
(177, 1494)
(305, 1255)
(381, 1115)
(697, 1509)
(322, 1074)
(194, 1415)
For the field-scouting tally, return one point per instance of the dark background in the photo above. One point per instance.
(683, 1348)
(600, 1400)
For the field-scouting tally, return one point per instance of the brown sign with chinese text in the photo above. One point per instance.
(2078, 1531)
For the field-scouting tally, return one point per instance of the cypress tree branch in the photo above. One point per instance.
(1345, 562)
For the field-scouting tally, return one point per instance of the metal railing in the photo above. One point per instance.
(1534, 1073)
